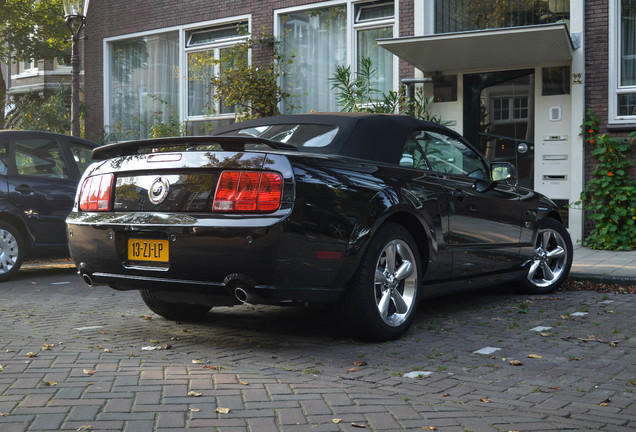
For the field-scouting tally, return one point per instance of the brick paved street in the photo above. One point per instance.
(288, 369)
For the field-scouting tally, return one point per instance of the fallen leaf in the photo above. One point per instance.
(154, 341)
(5, 414)
(48, 346)
(534, 356)
(358, 425)
(429, 428)
(1, 368)
(555, 388)
(84, 427)
(146, 317)
(208, 366)
(359, 363)
(544, 334)
(606, 401)
(132, 354)
(516, 362)
(99, 347)
(50, 383)
(10, 350)
(241, 382)
(166, 347)
(336, 420)
(485, 400)
(352, 369)
(613, 344)
(31, 354)
(89, 371)
(194, 394)
(445, 394)
(195, 409)
(222, 410)
(106, 350)
(195, 361)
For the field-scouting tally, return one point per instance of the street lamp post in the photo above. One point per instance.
(75, 17)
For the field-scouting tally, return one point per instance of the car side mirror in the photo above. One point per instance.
(502, 171)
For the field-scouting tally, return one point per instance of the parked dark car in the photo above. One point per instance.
(368, 212)
(39, 172)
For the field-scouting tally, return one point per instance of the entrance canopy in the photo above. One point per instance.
(508, 48)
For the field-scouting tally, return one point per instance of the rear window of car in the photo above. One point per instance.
(301, 136)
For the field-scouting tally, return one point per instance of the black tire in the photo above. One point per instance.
(173, 311)
(12, 250)
(552, 259)
(382, 298)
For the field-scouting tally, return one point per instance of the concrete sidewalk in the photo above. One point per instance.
(604, 266)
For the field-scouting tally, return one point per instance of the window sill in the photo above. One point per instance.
(621, 126)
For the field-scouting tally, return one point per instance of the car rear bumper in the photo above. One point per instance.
(264, 259)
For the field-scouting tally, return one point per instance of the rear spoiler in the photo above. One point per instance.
(226, 142)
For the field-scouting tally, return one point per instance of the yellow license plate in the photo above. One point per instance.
(148, 250)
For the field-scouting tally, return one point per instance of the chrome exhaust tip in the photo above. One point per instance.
(88, 280)
(241, 294)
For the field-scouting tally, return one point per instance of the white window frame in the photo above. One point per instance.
(216, 47)
(614, 87)
(371, 25)
(182, 97)
(26, 71)
(352, 28)
(510, 102)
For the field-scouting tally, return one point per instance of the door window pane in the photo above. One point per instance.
(448, 155)
(39, 157)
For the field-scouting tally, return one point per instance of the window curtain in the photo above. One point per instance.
(382, 60)
(318, 41)
(628, 43)
(200, 92)
(143, 85)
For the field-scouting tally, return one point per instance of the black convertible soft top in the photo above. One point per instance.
(366, 135)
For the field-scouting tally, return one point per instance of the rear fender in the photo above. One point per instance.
(385, 207)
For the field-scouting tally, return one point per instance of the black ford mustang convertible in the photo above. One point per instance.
(369, 212)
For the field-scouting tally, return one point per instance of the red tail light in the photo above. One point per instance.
(248, 191)
(95, 194)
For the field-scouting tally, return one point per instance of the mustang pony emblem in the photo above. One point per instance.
(158, 191)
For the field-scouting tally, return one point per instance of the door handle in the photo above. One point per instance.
(24, 189)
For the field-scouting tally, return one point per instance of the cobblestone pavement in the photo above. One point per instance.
(75, 358)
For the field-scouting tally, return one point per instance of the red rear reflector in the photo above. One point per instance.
(248, 191)
(95, 194)
(328, 255)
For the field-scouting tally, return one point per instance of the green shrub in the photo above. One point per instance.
(609, 196)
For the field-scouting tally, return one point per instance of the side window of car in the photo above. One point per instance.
(81, 154)
(3, 159)
(39, 157)
(449, 155)
(412, 155)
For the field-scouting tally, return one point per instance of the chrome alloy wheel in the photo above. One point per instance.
(8, 251)
(395, 282)
(550, 258)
